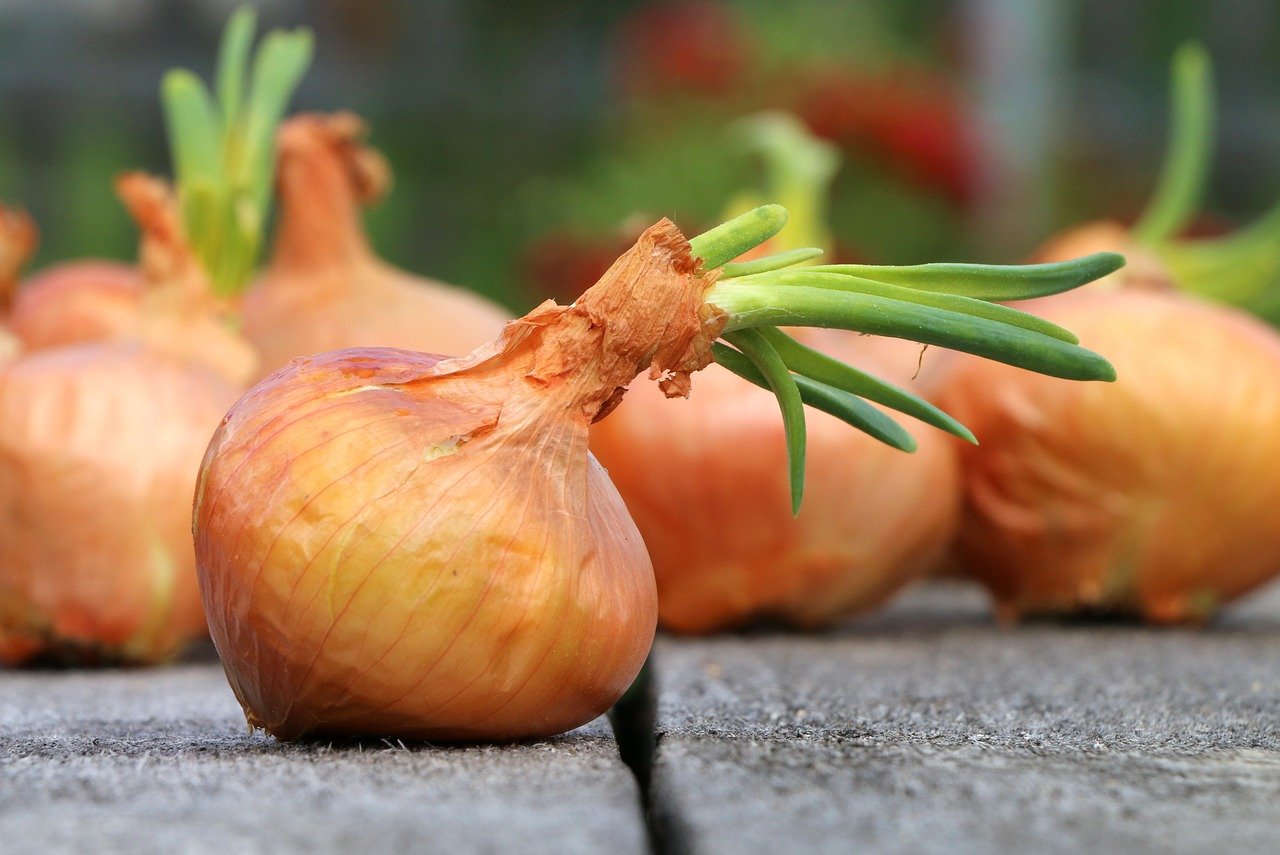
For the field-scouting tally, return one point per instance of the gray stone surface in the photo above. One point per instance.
(929, 729)
(160, 761)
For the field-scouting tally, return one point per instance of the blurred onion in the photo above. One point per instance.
(716, 513)
(99, 448)
(1154, 496)
(324, 288)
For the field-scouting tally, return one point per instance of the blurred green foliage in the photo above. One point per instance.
(506, 123)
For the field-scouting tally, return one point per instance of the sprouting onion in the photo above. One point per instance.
(396, 544)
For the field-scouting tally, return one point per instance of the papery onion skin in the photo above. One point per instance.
(411, 570)
(702, 480)
(99, 447)
(324, 288)
(395, 544)
(77, 302)
(1152, 497)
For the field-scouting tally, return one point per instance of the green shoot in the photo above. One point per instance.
(949, 305)
(1186, 162)
(223, 145)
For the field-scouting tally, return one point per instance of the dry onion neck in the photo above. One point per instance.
(949, 305)
(223, 147)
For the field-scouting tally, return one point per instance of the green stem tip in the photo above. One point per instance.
(949, 305)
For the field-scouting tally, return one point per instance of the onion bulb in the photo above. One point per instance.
(716, 514)
(68, 302)
(324, 287)
(1152, 497)
(393, 544)
(76, 301)
(99, 448)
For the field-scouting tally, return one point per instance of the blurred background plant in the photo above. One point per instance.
(526, 138)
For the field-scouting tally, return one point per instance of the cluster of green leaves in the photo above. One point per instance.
(949, 305)
(223, 144)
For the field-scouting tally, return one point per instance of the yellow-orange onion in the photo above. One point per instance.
(68, 302)
(76, 301)
(702, 480)
(324, 288)
(1154, 496)
(99, 449)
(393, 544)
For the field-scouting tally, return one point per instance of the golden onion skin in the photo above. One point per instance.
(325, 288)
(76, 302)
(706, 482)
(1153, 496)
(99, 447)
(380, 554)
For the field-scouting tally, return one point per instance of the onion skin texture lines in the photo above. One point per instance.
(391, 543)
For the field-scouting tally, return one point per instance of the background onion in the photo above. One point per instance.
(324, 288)
(716, 513)
(1154, 496)
(99, 447)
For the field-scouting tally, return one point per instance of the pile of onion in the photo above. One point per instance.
(394, 544)
(324, 288)
(1152, 497)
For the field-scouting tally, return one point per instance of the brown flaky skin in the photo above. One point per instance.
(99, 448)
(324, 288)
(394, 545)
(1153, 496)
(706, 483)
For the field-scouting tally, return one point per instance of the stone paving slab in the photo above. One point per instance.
(160, 761)
(929, 729)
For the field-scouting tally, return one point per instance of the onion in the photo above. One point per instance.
(99, 447)
(716, 515)
(76, 301)
(324, 288)
(391, 544)
(1150, 497)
